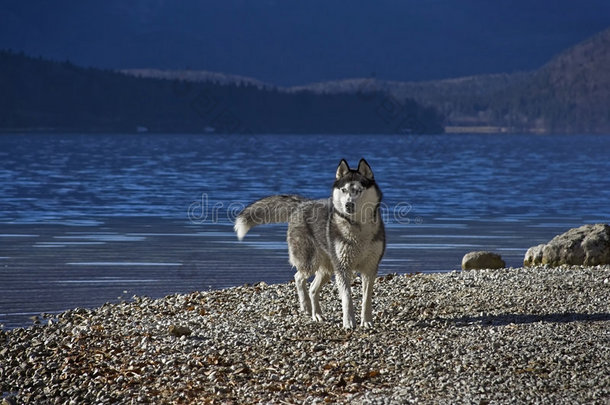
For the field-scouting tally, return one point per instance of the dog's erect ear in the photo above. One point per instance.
(365, 170)
(342, 170)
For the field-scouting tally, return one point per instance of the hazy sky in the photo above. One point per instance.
(299, 41)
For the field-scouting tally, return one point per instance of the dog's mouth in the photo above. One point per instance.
(350, 207)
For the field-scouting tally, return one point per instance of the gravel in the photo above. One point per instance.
(536, 335)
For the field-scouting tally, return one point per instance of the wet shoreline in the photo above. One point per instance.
(49, 268)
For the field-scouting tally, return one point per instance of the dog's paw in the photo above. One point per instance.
(349, 323)
(317, 317)
(306, 310)
(367, 325)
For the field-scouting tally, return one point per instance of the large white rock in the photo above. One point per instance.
(587, 245)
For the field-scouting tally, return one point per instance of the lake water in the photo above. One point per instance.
(96, 218)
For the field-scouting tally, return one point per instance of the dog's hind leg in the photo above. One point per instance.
(301, 282)
(322, 277)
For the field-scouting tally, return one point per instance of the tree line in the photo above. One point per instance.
(43, 95)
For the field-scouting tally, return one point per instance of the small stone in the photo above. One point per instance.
(178, 331)
(482, 260)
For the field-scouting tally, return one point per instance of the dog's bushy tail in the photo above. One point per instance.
(269, 210)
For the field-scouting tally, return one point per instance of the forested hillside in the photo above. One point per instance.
(570, 94)
(40, 95)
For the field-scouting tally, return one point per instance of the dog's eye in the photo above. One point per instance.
(344, 189)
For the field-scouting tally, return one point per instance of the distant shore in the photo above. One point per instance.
(525, 335)
(491, 130)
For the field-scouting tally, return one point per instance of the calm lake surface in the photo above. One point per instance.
(95, 218)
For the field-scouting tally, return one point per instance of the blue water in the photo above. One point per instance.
(95, 218)
(80, 178)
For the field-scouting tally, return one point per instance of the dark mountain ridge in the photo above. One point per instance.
(569, 94)
(41, 95)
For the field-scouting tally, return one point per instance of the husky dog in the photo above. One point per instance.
(338, 235)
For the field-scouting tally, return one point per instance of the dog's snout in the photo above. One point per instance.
(350, 207)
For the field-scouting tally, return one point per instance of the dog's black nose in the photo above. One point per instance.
(350, 207)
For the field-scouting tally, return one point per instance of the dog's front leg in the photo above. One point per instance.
(368, 280)
(343, 279)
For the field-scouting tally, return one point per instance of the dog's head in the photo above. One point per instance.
(355, 193)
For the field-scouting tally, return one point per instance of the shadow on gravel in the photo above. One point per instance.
(507, 319)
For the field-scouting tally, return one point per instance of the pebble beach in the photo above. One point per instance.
(518, 335)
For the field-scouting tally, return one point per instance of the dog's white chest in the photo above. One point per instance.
(354, 249)
(346, 252)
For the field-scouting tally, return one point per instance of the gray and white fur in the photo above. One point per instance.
(339, 235)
